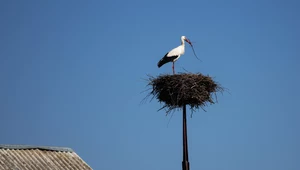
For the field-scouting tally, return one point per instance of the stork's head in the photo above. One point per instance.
(186, 39)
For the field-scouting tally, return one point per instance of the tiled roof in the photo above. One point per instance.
(22, 157)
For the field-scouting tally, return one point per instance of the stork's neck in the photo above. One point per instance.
(182, 42)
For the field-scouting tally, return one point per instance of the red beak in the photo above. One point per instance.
(188, 41)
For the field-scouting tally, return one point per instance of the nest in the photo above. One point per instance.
(175, 91)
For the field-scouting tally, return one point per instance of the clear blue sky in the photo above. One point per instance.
(72, 75)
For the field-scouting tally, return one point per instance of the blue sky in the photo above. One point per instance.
(72, 73)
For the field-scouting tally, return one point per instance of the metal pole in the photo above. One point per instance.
(185, 162)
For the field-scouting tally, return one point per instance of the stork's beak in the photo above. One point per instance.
(188, 41)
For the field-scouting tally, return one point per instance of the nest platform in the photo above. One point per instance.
(175, 91)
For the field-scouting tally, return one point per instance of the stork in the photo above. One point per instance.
(174, 54)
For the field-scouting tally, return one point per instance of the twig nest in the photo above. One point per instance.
(195, 90)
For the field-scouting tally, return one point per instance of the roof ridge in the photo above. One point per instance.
(47, 148)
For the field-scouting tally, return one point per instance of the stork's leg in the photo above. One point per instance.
(173, 68)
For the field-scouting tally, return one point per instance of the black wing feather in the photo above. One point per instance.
(165, 60)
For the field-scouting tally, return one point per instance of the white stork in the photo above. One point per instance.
(174, 54)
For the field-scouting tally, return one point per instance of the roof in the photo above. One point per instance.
(26, 157)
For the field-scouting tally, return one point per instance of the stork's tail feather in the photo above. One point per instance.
(165, 60)
(162, 62)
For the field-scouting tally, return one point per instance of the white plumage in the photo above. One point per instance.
(178, 51)
(174, 54)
